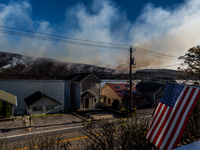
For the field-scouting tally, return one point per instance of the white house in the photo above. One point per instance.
(80, 91)
(39, 103)
(83, 91)
(22, 88)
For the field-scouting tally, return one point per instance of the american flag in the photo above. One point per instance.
(171, 115)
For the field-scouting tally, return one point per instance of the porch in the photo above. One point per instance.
(87, 101)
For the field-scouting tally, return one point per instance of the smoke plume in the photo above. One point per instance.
(172, 31)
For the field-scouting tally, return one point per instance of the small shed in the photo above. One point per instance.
(11, 99)
(39, 103)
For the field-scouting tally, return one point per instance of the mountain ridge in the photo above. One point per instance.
(17, 66)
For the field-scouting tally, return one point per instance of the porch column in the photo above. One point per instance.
(93, 103)
(12, 111)
(83, 103)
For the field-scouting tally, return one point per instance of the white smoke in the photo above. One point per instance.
(172, 31)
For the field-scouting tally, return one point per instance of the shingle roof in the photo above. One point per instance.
(150, 87)
(36, 96)
(80, 77)
(8, 97)
(122, 90)
(86, 94)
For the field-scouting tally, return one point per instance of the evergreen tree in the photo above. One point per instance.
(7, 112)
(1, 105)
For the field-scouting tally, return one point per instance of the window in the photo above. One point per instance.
(37, 108)
(127, 86)
(108, 100)
(49, 107)
(123, 92)
(95, 99)
(95, 85)
(118, 87)
(134, 91)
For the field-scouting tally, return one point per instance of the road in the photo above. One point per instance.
(68, 133)
(68, 126)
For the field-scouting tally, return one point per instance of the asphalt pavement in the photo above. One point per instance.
(68, 125)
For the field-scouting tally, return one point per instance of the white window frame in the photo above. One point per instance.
(37, 110)
(95, 83)
(50, 105)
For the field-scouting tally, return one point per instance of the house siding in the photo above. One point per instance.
(44, 102)
(67, 95)
(110, 94)
(86, 87)
(77, 96)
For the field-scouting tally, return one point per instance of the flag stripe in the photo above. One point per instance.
(171, 115)
(169, 121)
(182, 117)
(163, 124)
(154, 116)
(174, 116)
(154, 131)
(187, 118)
(177, 120)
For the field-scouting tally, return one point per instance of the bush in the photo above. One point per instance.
(1, 105)
(122, 109)
(7, 112)
(119, 134)
(41, 142)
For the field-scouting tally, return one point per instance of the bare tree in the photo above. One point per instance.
(117, 134)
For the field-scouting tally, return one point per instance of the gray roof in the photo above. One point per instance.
(150, 87)
(87, 94)
(80, 77)
(35, 97)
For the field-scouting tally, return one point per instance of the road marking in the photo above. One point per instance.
(78, 138)
(41, 132)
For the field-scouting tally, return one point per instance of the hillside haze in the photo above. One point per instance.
(16, 66)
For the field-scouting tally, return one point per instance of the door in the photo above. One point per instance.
(87, 103)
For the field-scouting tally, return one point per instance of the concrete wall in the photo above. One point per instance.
(24, 88)
(44, 102)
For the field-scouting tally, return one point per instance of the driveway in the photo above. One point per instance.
(145, 112)
(98, 114)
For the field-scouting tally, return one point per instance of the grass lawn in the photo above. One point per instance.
(36, 116)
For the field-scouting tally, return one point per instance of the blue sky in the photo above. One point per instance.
(54, 11)
(164, 26)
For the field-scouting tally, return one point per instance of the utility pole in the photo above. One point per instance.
(130, 82)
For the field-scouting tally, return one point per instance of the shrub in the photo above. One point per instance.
(1, 105)
(7, 112)
(118, 134)
(122, 109)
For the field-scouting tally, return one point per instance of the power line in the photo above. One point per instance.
(64, 36)
(158, 53)
(172, 65)
(99, 45)
(160, 56)
(61, 41)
